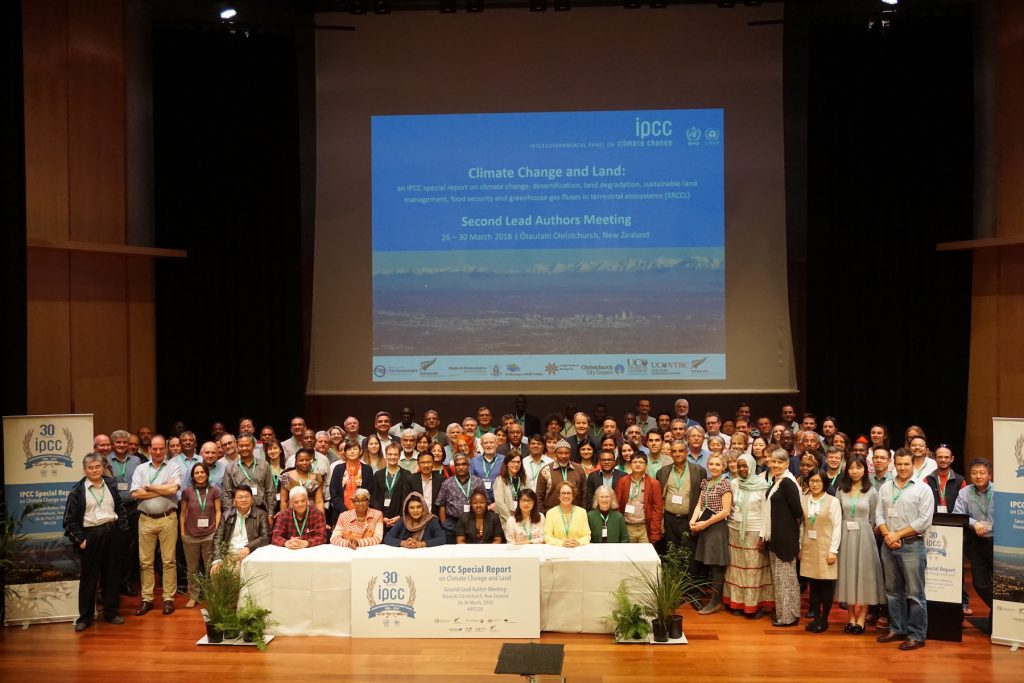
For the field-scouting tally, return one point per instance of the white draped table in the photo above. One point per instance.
(309, 590)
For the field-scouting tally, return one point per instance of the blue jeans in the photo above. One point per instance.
(904, 588)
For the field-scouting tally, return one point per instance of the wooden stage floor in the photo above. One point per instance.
(160, 648)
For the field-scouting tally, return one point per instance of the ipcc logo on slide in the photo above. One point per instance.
(391, 595)
(47, 450)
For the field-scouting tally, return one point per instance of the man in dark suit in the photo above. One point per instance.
(680, 486)
(426, 482)
(529, 423)
(516, 443)
(608, 475)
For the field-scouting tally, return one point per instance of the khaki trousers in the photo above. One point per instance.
(165, 532)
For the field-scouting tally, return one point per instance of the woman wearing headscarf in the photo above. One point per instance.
(748, 578)
(780, 529)
(417, 528)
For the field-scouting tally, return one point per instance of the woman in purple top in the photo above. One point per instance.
(199, 519)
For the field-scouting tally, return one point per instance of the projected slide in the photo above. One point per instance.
(549, 246)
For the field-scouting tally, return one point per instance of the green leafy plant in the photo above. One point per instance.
(221, 588)
(253, 622)
(11, 540)
(678, 560)
(660, 591)
(628, 616)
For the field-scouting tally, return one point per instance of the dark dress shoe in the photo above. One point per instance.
(779, 624)
(116, 619)
(911, 644)
(143, 608)
(849, 628)
(812, 614)
(81, 626)
(756, 615)
(819, 626)
(168, 607)
(891, 637)
(871, 618)
(857, 630)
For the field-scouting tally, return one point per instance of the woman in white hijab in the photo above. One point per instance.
(748, 578)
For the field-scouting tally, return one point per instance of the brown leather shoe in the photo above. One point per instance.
(911, 644)
(891, 637)
(143, 608)
(168, 607)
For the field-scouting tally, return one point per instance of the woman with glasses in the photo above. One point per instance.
(360, 526)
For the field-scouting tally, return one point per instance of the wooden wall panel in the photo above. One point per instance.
(1008, 117)
(99, 338)
(142, 330)
(49, 333)
(96, 120)
(44, 24)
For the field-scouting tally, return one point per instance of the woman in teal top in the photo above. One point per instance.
(607, 525)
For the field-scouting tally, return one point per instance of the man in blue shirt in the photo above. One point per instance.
(487, 466)
(976, 502)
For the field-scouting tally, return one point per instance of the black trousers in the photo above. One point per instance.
(677, 530)
(101, 565)
(979, 552)
(130, 555)
(822, 593)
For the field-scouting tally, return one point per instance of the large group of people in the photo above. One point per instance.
(763, 508)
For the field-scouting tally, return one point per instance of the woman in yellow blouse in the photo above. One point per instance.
(567, 524)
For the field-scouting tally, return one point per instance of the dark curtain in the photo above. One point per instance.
(227, 177)
(13, 395)
(890, 175)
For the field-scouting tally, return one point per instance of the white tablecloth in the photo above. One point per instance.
(309, 590)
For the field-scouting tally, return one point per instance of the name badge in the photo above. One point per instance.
(943, 509)
(677, 500)
(203, 523)
(515, 504)
(812, 534)
(630, 508)
(604, 532)
(122, 486)
(892, 514)
(487, 484)
(465, 508)
(387, 501)
(255, 490)
(852, 526)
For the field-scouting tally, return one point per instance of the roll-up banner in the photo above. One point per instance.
(42, 461)
(1008, 531)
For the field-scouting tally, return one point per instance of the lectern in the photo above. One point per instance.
(944, 577)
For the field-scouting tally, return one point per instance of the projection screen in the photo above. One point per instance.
(551, 203)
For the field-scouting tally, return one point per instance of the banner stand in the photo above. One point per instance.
(1008, 532)
(944, 543)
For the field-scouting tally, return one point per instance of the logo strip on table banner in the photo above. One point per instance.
(42, 461)
(1008, 531)
(446, 598)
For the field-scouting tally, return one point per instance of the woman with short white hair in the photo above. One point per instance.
(361, 526)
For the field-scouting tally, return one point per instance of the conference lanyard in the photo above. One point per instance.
(464, 489)
(711, 484)
(832, 483)
(853, 504)
(896, 496)
(300, 529)
(988, 500)
(242, 465)
(309, 477)
(604, 520)
(565, 473)
(102, 496)
(515, 487)
(566, 524)
(202, 499)
(487, 470)
(535, 468)
(277, 480)
(155, 473)
(680, 479)
(390, 482)
(941, 489)
(636, 489)
(528, 530)
(817, 508)
(122, 466)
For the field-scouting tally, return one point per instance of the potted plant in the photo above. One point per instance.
(660, 593)
(678, 560)
(628, 617)
(253, 622)
(220, 591)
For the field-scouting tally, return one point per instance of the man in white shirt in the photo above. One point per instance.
(155, 485)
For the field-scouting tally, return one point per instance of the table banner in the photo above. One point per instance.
(433, 597)
(1008, 531)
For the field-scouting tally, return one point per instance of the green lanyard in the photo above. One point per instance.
(940, 488)
(528, 530)
(813, 518)
(155, 473)
(464, 489)
(277, 480)
(487, 470)
(122, 466)
(832, 483)
(102, 496)
(534, 469)
(566, 524)
(853, 504)
(680, 478)
(636, 489)
(242, 466)
(604, 519)
(202, 499)
(988, 499)
(565, 473)
(897, 496)
(390, 482)
(300, 529)
(515, 487)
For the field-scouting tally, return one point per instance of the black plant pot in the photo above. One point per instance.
(231, 635)
(213, 635)
(660, 631)
(249, 638)
(675, 627)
